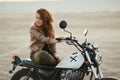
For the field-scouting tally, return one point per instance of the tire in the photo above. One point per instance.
(23, 74)
(110, 79)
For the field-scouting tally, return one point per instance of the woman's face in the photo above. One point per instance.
(38, 20)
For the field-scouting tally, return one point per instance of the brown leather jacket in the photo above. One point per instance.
(38, 40)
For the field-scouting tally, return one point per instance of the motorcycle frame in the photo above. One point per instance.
(54, 76)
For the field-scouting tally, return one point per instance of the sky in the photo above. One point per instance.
(19, 6)
(28, 0)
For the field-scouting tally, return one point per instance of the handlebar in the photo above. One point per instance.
(59, 39)
(76, 41)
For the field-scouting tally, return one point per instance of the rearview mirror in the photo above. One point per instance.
(63, 24)
(85, 32)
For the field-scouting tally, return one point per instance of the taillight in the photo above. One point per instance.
(13, 58)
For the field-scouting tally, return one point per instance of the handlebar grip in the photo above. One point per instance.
(59, 39)
(67, 38)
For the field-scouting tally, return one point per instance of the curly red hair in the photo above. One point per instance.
(47, 21)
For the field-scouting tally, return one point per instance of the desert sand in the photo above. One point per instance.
(103, 28)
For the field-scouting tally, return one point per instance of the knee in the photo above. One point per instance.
(39, 56)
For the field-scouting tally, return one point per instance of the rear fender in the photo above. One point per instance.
(15, 61)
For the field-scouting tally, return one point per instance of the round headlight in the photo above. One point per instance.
(95, 45)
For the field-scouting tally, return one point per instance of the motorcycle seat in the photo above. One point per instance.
(29, 63)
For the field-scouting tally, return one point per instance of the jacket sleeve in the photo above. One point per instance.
(39, 35)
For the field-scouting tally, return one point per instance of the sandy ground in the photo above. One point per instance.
(104, 28)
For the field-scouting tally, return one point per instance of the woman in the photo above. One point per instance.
(43, 48)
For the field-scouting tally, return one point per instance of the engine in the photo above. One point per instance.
(71, 75)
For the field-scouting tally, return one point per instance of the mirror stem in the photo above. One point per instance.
(85, 40)
(68, 32)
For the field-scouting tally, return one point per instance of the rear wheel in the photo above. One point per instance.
(25, 74)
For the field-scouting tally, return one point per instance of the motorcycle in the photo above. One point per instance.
(77, 66)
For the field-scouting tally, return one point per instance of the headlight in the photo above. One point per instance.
(98, 58)
(95, 45)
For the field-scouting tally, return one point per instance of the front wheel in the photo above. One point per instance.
(24, 74)
(110, 79)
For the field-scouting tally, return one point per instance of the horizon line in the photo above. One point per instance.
(27, 0)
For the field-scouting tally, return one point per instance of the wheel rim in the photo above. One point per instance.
(26, 78)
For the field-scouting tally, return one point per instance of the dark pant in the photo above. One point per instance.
(43, 57)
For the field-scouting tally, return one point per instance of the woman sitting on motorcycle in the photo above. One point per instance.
(43, 43)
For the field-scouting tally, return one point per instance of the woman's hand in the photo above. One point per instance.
(57, 41)
(60, 39)
(52, 41)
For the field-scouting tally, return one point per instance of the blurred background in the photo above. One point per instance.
(29, 6)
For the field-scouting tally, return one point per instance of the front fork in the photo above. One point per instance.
(100, 72)
(93, 68)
